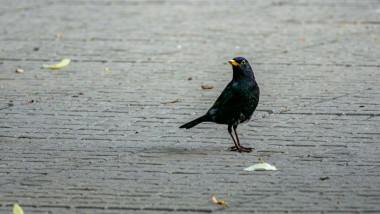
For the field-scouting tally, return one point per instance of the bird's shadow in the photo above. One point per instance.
(173, 150)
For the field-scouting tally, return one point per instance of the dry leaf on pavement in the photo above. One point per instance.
(17, 209)
(207, 86)
(174, 101)
(216, 201)
(261, 167)
(61, 64)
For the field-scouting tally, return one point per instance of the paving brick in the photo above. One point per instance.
(84, 140)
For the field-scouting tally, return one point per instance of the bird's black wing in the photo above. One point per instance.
(228, 106)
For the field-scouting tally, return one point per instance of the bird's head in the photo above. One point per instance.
(241, 67)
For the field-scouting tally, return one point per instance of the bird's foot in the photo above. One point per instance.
(234, 148)
(246, 149)
(241, 149)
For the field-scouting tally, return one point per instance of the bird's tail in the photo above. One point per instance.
(194, 122)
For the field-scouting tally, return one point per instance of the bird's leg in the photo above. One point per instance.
(236, 147)
(244, 149)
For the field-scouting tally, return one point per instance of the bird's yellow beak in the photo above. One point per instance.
(232, 62)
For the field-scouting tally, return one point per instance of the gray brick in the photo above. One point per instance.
(96, 141)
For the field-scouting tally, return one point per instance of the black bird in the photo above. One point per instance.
(237, 102)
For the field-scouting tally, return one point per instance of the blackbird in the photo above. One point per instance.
(237, 102)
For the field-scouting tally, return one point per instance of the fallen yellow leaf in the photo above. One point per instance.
(216, 201)
(17, 209)
(61, 64)
(105, 69)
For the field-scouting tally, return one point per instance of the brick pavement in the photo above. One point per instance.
(95, 141)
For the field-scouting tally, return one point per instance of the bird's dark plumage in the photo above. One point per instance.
(237, 102)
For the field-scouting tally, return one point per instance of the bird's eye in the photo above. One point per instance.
(243, 62)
